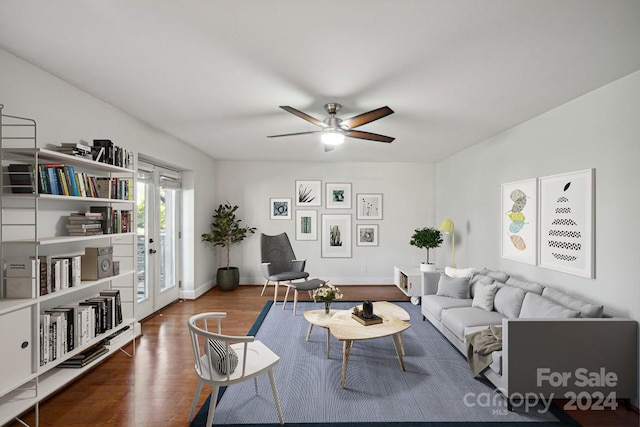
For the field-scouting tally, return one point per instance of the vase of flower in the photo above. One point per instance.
(327, 294)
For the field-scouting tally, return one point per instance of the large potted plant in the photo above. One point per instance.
(428, 238)
(226, 231)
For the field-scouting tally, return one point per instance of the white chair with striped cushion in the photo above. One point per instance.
(222, 360)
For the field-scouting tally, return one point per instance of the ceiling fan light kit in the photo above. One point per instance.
(332, 137)
(334, 130)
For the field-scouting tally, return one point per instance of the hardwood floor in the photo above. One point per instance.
(155, 387)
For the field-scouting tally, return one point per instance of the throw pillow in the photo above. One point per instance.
(508, 301)
(535, 306)
(485, 293)
(459, 272)
(500, 276)
(586, 309)
(219, 356)
(454, 287)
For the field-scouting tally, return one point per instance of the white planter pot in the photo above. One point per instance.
(427, 267)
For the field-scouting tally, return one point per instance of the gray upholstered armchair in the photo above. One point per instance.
(279, 263)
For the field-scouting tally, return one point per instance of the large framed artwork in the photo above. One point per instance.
(306, 225)
(308, 193)
(367, 235)
(336, 236)
(338, 195)
(566, 222)
(520, 221)
(369, 206)
(280, 208)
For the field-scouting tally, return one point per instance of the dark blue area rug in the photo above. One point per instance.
(436, 389)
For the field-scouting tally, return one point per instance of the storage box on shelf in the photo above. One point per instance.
(47, 293)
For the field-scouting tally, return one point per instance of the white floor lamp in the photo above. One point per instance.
(447, 227)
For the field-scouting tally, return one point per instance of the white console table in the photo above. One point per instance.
(414, 282)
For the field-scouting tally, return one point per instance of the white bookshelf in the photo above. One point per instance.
(32, 225)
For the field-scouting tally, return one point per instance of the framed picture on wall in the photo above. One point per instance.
(519, 216)
(280, 208)
(369, 206)
(566, 223)
(306, 225)
(338, 195)
(367, 235)
(336, 236)
(308, 193)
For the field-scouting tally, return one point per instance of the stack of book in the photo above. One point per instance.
(79, 149)
(85, 224)
(81, 360)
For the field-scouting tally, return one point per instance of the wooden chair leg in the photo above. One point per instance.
(275, 396)
(212, 406)
(275, 293)
(295, 300)
(264, 287)
(195, 400)
(286, 297)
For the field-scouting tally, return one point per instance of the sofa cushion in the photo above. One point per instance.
(496, 362)
(460, 318)
(508, 301)
(536, 306)
(484, 296)
(500, 276)
(586, 309)
(475, 279)
(459, 272)
(454, 287)
(435, 304)
(525, 286)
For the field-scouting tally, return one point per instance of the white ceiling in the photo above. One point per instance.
(213, 73)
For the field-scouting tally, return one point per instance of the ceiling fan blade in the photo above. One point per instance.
(365, 118)
(368, 135)
(292, 134)
(304, 116)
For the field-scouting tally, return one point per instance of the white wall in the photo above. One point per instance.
(599, 130)
(408, 192)
(66, 114)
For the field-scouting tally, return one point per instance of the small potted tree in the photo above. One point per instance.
(428, 238)
(226, 231)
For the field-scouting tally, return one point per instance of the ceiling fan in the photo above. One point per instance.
(334, 130)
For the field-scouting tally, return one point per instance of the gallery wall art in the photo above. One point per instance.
(280, 208)
(369, 206)
(306, 225)
(338, 195)
(367, 235)
(566, 222)
(519, 221)
(336, 236)
(308, 193)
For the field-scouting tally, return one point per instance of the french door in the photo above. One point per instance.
(158, 237)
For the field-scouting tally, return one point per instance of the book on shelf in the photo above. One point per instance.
(22, 278)
(115, 293)
(86, 357)
(21, 178)
(84, 226)
(107, 217)
(21, 287)
(78, 149)
(69, 322)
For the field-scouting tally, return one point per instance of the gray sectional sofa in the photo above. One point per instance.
(546, 335)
